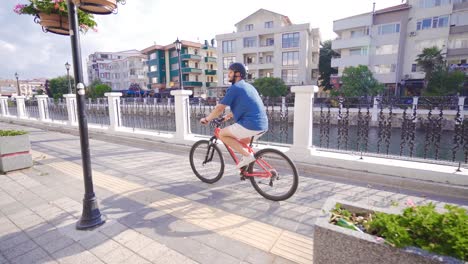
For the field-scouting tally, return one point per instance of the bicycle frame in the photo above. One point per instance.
(266, 173)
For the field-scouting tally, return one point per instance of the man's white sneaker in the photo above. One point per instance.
(246, 160)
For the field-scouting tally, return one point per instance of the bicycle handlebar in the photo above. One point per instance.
(218, 121)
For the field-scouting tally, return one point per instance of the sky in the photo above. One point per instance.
(25, 49)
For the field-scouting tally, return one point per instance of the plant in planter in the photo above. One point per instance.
(52, 15)
(101, 7)
(349, 233)
(14, 150)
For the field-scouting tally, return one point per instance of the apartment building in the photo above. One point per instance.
(199, 64)
(270, 45)
(118, 69)
(389, 40)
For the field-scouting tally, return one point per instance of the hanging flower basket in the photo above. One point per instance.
(54, 23)
(99, 7)
(52, 15)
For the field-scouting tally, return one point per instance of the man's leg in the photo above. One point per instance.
(229, 139)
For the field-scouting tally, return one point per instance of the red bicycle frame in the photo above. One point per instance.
(267, 168)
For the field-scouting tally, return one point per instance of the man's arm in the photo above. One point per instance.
(217, 111)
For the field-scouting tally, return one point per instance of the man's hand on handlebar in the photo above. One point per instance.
(204, 121)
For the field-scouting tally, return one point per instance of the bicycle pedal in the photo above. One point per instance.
(242, 178)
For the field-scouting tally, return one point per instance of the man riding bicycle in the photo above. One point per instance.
(248, 111)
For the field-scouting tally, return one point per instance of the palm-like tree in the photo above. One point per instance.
(429, 60)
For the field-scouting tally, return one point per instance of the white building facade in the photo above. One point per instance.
(271, 46)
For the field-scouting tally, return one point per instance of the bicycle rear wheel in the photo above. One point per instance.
(212, 170)
(283, 184)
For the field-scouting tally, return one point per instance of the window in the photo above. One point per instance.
(389, 29)
(289, 76)
(269, 59)
(291, 40)
(415, 68)
(269, 42)
(102, 75)
(226, 78)
(432, 22)
(153, 56)
(428, 43)
(154, 80)
(386, 49)
(432, 3)
(173, 53)
(153, 68)
(227, 61)
(269, 24)
(249, 27)
(384, 68)
(357, 34)
(250, 42)
(174, 66)
(358, 52)
(290, 58)
(461, 43)
(228, 46)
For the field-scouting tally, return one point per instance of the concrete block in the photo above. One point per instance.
(335, 244)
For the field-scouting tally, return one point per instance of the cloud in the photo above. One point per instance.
(140, 23)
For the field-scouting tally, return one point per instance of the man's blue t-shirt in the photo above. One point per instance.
(247, 106)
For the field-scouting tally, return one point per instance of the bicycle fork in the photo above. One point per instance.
(210, 151)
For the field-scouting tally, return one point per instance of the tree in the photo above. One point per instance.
(359, 81)
(444, 82)
(325, 69)
(97, 89)
(59, 86)
(270, 86)
(429, 60)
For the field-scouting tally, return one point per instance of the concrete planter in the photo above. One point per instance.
(15, 153)
(335, 244)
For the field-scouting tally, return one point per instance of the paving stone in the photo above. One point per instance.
(48, 236)
(12, 240)
(39, 230)
(126, 236)
(117, 255)
(58, 244)
(76, 254)
(102, 249)
(93, 240)
(34, 256)
(19, 249)
(135, 259)
(153, 251)
(112, 228)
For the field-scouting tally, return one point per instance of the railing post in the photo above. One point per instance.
(43, 107)
(70, 100)
(115, 116)
(283, 105)
(181, 113)
(4, 106)
(461, 106)
(375, 110)
(303, 120)
(21, 106)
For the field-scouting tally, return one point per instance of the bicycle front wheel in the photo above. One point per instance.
(283, 184)
(207, 164)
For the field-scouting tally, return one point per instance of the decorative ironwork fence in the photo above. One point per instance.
(156, 114)
(97, 111)
(32, 108)
(419, 128)
(57, 110)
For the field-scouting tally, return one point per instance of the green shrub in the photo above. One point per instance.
(10, 133)
(420, 226)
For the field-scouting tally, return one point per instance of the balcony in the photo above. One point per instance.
(457, 52)
(193, 84)
(352, 22)
(192, 70)
(185, 57)
(350, 42)
(210, 72)
(211, 59)
(350, 61)
(460, 6)
(459, 29)
(211, 84)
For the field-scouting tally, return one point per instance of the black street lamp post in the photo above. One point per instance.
(178, 46)
(67, 66)
(91, 216)
(17, 83)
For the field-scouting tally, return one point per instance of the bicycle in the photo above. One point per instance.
(271, 166)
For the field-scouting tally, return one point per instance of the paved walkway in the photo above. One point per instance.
(157, 210)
